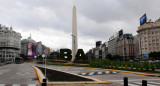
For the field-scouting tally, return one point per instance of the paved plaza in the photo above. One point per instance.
(25, 75)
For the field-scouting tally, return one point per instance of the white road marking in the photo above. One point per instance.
(114, 72)
(99, 73)
(16, 85)
(83, 73)
(132, 85)
(2, 84)
(107, 71)
(91, 73)
(154, 83)
(31, 84)
(147, 84)
(132, 80)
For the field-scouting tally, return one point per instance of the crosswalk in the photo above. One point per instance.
(97, 73)
(140, 83)
(20, 85)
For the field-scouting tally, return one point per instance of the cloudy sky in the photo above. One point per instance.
(50, 21)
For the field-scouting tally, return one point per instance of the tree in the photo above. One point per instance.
(154, 55)
(109, 56)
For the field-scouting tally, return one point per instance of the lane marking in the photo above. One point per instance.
(132, 80)
(154, 83)
(83, 73)
(91, 73)
(147, 84)
(99, 73)
(132, 84)
(106, 71)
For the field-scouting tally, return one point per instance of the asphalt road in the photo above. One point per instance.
(18, 74)
(25, 75)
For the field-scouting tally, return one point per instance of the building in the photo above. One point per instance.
(10, 42)
(104, 49)
(125, 46)
(26, 46)
(111, 44)
(136, 45)
(149, 38)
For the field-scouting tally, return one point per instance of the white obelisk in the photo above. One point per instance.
(74, 34)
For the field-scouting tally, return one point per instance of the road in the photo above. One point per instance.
(24, 74)
(18, 74)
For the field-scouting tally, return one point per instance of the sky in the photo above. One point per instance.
(50, 21)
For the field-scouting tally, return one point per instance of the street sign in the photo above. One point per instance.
(46, 51)
(35, 57)
(43, 55)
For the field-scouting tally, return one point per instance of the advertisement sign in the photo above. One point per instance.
(29, 49)
(33, 50)
(29, 52)
(143, 19)
(38, 50)
(29, 46)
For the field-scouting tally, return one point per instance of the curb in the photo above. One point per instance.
(96, 81)
(144, 74)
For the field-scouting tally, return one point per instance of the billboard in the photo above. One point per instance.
(29, 52)
(39, 50)
(29, 49)
(33, 50)
(143, 19)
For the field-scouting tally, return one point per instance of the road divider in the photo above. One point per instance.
(40, 76)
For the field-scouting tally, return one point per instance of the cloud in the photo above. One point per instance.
(50, 21)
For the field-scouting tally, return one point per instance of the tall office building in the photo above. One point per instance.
(74, 34)
(112, 44)
(10, 42)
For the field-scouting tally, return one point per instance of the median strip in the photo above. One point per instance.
(57, 77)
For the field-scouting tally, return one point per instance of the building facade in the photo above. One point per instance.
(111, 44)
(10, 42)
(149, 38)
(125, 46)
(25, 46)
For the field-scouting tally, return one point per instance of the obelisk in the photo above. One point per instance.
(74, 34)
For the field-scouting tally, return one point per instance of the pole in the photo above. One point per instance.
(144, 83)
(45, 65)
(125, 81)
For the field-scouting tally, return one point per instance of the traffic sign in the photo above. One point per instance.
(46, 51)
(43, 55)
